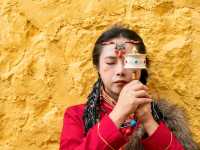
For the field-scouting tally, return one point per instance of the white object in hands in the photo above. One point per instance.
(135, 61)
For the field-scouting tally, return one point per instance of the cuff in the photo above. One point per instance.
(110, 133)
(159, 140)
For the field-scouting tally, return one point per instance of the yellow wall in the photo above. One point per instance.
(45, 60)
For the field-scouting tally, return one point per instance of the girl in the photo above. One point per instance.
(119, 113)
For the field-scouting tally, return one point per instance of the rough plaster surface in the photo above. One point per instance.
(45, 60)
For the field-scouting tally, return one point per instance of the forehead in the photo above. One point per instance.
(109, 50)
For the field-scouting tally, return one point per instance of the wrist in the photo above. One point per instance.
(116, 118)
(150, 126)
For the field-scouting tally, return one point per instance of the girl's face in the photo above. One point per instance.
(111, 68)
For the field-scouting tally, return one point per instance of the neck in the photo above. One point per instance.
(112, 95)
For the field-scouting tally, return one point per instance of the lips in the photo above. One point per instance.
(120, 82)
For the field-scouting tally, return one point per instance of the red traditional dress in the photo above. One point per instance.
(105, 135)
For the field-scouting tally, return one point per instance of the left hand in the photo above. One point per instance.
(144, 115)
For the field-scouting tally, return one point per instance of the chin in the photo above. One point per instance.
(117, 90)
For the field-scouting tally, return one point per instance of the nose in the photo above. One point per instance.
(120, 70)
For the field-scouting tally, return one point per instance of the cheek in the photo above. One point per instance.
(106, 74)
(106, 71)
(133, 75)
(104, 68)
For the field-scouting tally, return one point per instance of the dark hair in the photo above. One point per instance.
(92, 108)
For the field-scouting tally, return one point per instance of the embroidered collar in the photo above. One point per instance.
(105, 97)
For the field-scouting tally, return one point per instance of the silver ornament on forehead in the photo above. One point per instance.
(120, 46)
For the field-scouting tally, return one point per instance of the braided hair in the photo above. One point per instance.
(92, 108)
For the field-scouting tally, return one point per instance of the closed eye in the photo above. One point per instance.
(110, 60)
(110, 63)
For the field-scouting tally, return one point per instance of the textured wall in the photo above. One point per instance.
(45, 60)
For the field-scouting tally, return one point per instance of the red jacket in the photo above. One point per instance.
(73, 138)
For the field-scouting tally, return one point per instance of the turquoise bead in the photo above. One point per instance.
(133, 123)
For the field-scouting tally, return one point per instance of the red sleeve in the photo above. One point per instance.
(72, 136)
(162, 139)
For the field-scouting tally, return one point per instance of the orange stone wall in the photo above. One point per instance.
(45, 60)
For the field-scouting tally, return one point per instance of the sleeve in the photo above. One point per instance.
(162, 139)
(72, 136)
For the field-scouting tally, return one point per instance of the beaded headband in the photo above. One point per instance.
(120, 47)
(132, 60)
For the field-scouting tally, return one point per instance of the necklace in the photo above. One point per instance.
(107, 98)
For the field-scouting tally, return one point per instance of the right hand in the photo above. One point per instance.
(131, 96)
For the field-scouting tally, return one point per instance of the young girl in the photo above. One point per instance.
(120, 113)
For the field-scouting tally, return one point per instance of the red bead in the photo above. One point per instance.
(120, 53)
(128, 131)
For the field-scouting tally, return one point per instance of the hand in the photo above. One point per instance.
(143, 112)
(131, 96)
(144, 115)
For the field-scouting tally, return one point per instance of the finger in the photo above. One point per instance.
(141, 101)
(139, 113)
(136, 82)
(144, 107)
(138, 87)
(142, 110)
(141, 94)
